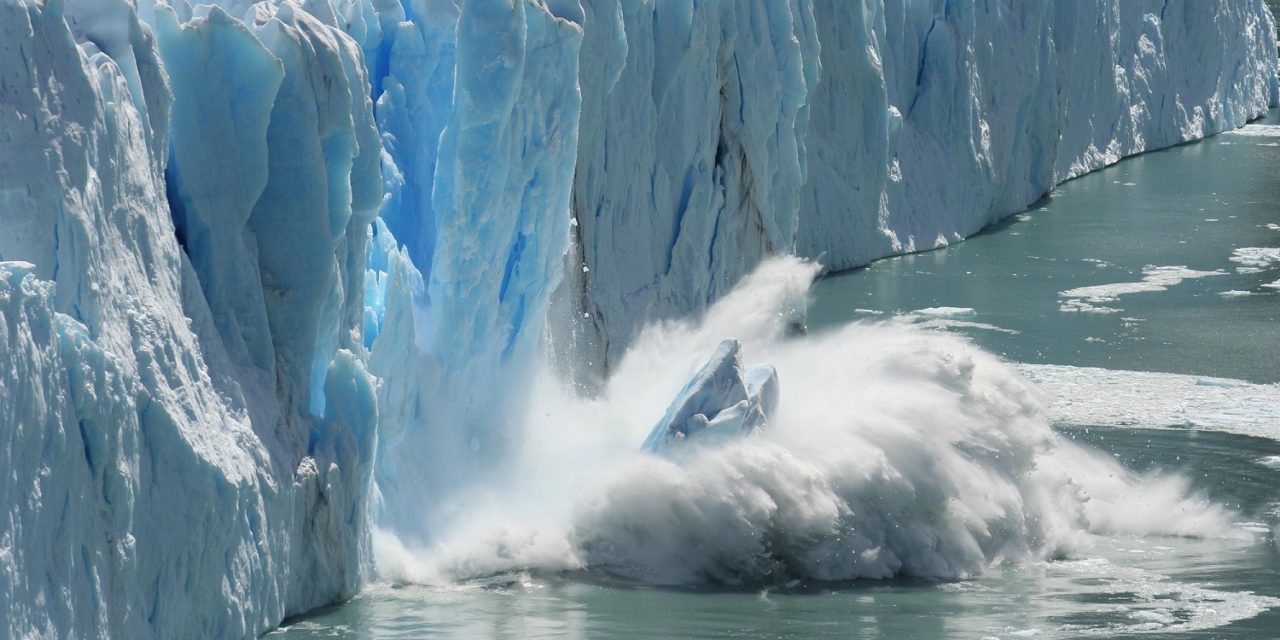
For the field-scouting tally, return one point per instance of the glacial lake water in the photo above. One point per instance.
(1158, 264)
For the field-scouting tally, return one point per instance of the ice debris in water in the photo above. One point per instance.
(723, 400)
(1092, 298)
(1255, 259)
(946, 312)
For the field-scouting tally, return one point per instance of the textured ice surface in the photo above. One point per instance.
(1104, 397)
(166, 477)
(246, 245)
(723, 400)
(915, 132)
(1255, 259)
(980, 132)
(946, 312)
(689, 164)
(479, 112)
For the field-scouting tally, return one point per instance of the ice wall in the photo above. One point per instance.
(690, 159)
(479, 115)
(928, 120)
(969, 112)
(193, 294)
(168, 470)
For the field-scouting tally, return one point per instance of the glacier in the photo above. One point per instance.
(981, 108)
(274, 272)
(166, 477)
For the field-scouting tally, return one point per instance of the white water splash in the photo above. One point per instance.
(895, 451)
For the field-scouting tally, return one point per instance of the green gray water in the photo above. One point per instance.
(1190, 206)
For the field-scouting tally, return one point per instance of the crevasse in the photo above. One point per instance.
(270, 272)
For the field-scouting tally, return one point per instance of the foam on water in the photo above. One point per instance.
(930, 319)
(894, 451)
(1155, 603)
(1141, 399)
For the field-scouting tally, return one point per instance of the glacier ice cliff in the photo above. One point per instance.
(164, 474)
(973, 111)
(689, 166)
(273, 271)
(479, 172)
(927, 120)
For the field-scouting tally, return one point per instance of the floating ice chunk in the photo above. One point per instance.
(1154, 279)
(1080, 306)
(946, 312)
(1254, 259)
(1088, 299)
(1104, 397)
(722, 401)
(1235, 293)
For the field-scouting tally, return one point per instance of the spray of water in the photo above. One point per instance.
(894, 451)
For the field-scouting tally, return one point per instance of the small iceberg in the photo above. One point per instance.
(723, 400)
(946, 312)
